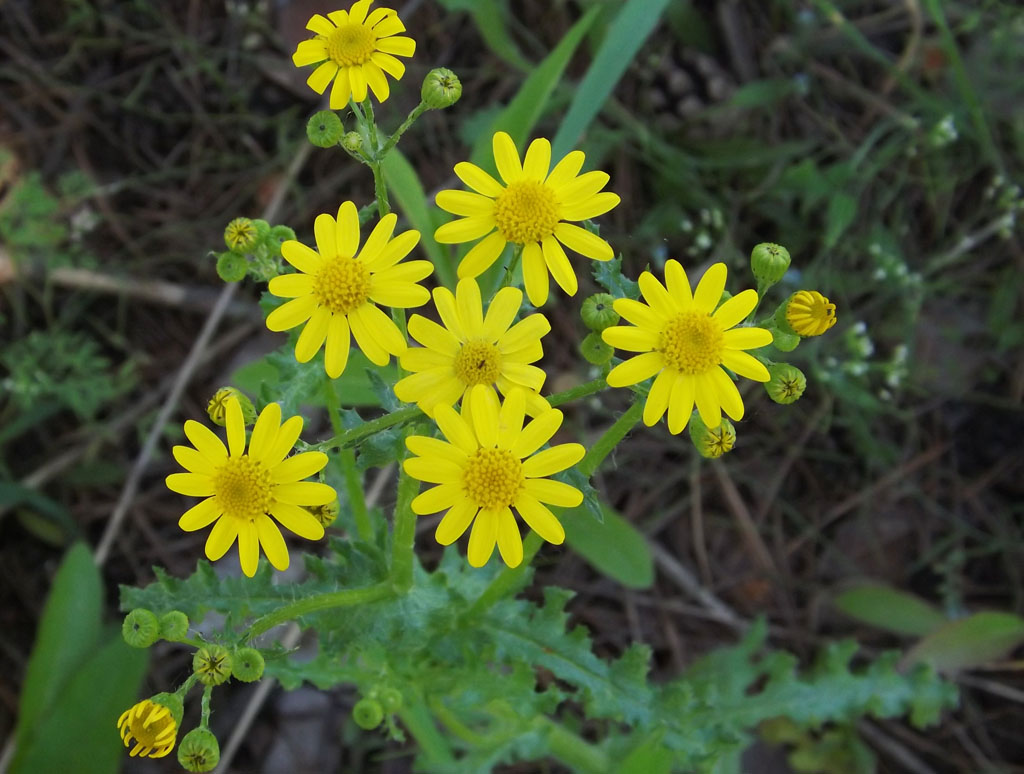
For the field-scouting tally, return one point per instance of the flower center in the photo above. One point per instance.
(152, 726)
(342, 285)
(351, 44)
(691, 343)
(493, 478)
(526, 212)
(242, 486)
(478, 362)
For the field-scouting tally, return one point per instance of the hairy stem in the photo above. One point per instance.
(347, 463)
(316, 603)
(403, 540)
(392, 141)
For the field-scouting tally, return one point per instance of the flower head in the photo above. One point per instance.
(809, 313)
(489, 465)
(355, 49)
(685, 341)
(152, 724)
(241, 235)
(531, 210)
(243, 491)
(338, 288)
(473, 349)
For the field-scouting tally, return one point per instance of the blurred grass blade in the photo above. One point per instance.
(613, 547)
(488, 17)
(890, 609)
(626, 34)
(975, 641)
(67, 636)
(406, 190)
(78, 732)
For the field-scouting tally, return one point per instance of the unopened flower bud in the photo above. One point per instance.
(212, 664)
(787, 383)
(806, 313)
(352, 142)
(247, 665)
(368, 714)
(241, 235)
(390, 699)
(441, 88)
(769, 263)
(596, 350)
(217, 408)
(199, 750)
(173, 626)
(712, 442)
(232, 267)
(325, 514)
(278, 236)
(324, 129)
(598, 313)
(140, 628)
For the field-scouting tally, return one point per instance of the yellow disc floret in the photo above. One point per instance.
(243, 487)
(477, 362)
(526, 211)
(342, 285)
(691, 343)
(493, 478)
(351, 44)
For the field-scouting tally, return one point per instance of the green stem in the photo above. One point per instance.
(347, 463)
(357, 434)
(580, 391)
(204, 719)
(404, 537)
(316, 603)
(420, 723)
(510, 270)
(574, 751)
(379, 187)
(510, 579)
(417, 111)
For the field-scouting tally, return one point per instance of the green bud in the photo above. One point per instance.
(232, 267)
(769, 263)
(212, 664)
(596, 350)
(241, 235)
(247, 665)
(712, 442)
(352, 142)
(324, 129)
(787, 383)
(784, 341)
(198, 750)
(325, 514)
(262, 229)
(278, 236)
(598, 312)
(391, 700)
(368, 714)
(173, 626)
(441, 88)
(140, 628)
(216, 409)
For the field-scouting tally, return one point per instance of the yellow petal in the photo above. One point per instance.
(465, 203)
(313, 335)
(347, 232)
(583, 242)
(205, 441)
(336, 352)
(358, 83)
(273, 544)
(502, 311)
(283, 442)
(248, 548)
(303, 258)
(540, 519)
(639, 314)
(437, 499)
(447, 308)
(559, 266)
(706, 397)
(537, 433)
(365, 338)
(535, 274)
(566, 169)
(743, 364)
(425, 446)
(525, 332)
(319, 25)
(455, 522)
(390, 25)
(323, 229)
(657, 398)
(192, 460)
(709, 289)
(678, 284)
(736, 309)
(582, 188)
(680, 407)
(379, 238)
(388, 64)
(484, 412)
(464, 230)
(304, 493)
(510, 418)
(538, 160)
(478, 179)
(746, 338)
(470, 307)
(433, 471)
(382, 328)
(526, 375)
(553, 460)
(596, 205)
(506, 157)
(297, 520)
(221, 538)
(291, 285)
(321, 76)
(235, 423)
(553, 492)
(264, 433)
(397, 45)
(291, 313)
(728, 395)
(482, 255)
(510, 542)
(656, 296)
(375, 79)
(636, 369)
(455, 429)
(201, 515)
(430, 334)
(396, 250)
(482, 538)
(298, 467)
(310, 52)
(423, 359)
(630, 339)
(341, 91)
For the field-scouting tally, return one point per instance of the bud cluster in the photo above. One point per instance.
(254, 248)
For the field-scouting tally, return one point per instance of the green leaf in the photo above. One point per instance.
(626, 34)
(405, 188)
(762, 93)
(67, 637)
(973, 641)
(649, 757)
(842, 209)
(58, 522)
(608, 274)
(78, 731)
(890, 609)
(613, 547)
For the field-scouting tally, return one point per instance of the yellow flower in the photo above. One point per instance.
(243, 490)
(337, 290)
(809, 313)
(153, 727)
(473, 349)
(686, 341)
(529, 210)
(356, 48)
(488, 466)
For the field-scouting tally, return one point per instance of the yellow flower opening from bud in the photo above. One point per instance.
(489, 465)
(685, 341)
(338, 286)
(151, 726)
(809, 313)
(531, 210)
(243, 491)
(355, 49)
(240, 234)
(473, 349)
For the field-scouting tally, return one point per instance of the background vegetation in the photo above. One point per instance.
(879, 141)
